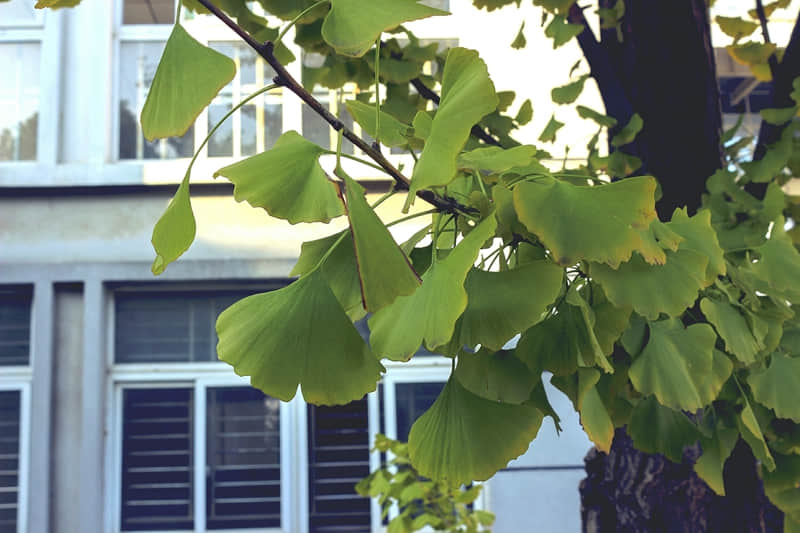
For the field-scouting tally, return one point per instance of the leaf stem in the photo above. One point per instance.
(355, 158)
(224, 118)
(330, 250)
(409, 217)
(383, 198)
(178, 12)
(302, 14)
(378, 92)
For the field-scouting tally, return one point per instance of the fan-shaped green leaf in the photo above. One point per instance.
(175, 230)
(751, 53)
(548, 134)
(384, 270)
(779, 264)
(628, 132)
(339, 269)
(736, 27)
(777, 387)
(169, 110)
(601, 119)
(298, 335)
(495, 376)
(430, 313)
(641, 286)
(676, 365)
(525, 113)
(658, 429)
(352, 26)
(594, 416)
(464, 437)
(733, 328)
(570, 92)
(778, 116)
(599, 223)
(698, 235)
(561, 31)
(502, 304)
(287, 181)
(496, 159)
(715, 452)
(751, 433)
(393, 132)
(467, 96)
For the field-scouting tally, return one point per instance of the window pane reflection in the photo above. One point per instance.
(19, 12)
(148, 12)
(19, 100)
(257, 125)
(138, 62)
(412, 400)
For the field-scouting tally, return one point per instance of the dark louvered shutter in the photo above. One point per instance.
(9, 459)
(15, 327)
(157, 481)
(338, 459)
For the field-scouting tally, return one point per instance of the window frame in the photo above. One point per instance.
(13, 383)
(199, 377)
(46, 30)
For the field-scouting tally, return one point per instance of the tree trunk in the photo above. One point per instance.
(671, 82)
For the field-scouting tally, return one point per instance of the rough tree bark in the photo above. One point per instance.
(671, 82)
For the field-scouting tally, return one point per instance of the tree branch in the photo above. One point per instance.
(762, 18)
(602, 70)
(283, 78)
(428, 94)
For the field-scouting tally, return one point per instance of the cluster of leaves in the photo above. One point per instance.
(683, 330)
(420, 502)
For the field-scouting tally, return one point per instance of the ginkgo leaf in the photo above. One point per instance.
(287, 181)
(502, 304)
(637, 284)
(519, 41)
(716, 450)
(777, 387)
(496, 376)
(779, 264)
(384, 270)
(393, 132)
(525, 113)
(570, 92)
(548, 135)
(467, 96)
(628, 132)
(495, 159)
(735, 27)
(733, 328)
(778, 117)
(751, 433)
(464, 437)
(658, 429)
(430, 313)
(771, 164)
(594, 416)
(599, 223)
(599, 118)
(175, 230)
(562, 342)
(560, 7)
(697, 234)
(352, 26)
(561, 31)
(168, 110)
(751, 53)
(676, 365)
(55, 4)
(339, 269)
(298, 335)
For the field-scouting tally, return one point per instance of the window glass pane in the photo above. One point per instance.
(168, 326)
(412, 400)
(9, 459)
(19, 12)
(338, 458)
(19, 101)
(256, 126)
(138, 62)
(243, 459)
(15, 327)
(148, 11)
(157, 459)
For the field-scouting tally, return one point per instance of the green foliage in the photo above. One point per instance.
(640, 320)
(420, 502)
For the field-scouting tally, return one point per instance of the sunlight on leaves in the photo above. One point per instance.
(777, 386)
(175, 230)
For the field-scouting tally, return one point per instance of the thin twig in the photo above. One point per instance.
(762, 18)
(283, 78)
(428, 94)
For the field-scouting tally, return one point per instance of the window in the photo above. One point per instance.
(15, 376)
(20, 52)
(144, 29)
(198, 448)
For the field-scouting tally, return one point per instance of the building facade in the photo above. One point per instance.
(115, 414)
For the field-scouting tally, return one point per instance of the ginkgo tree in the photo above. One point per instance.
(655, 282)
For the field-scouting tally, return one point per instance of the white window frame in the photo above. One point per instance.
(18, 380)
(46, 31)
(198, 377)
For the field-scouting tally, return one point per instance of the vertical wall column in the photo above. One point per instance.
(41, 404)
(91, 507)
